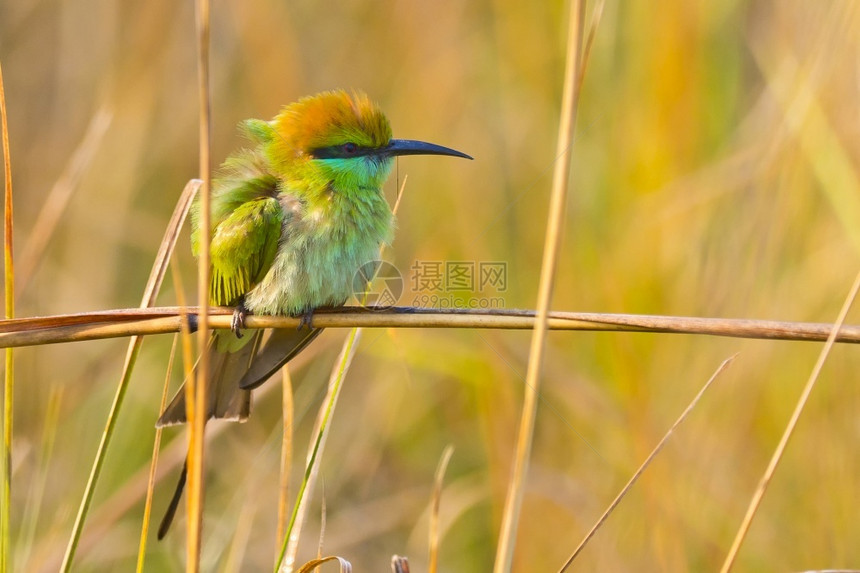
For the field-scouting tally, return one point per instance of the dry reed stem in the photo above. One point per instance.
(725, 364)
(185, 336)
(195, 394)
(755, 502)
(438, 482)
(165, 320)
(286, 453)
(9, 380)
(153, 466)
(552, 246)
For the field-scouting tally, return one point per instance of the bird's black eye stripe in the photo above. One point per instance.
(344, 150)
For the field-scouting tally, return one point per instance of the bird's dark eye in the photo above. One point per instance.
(339, 151)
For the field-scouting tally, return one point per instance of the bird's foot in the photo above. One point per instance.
(238, 322)
(193, 323)
(306, 319)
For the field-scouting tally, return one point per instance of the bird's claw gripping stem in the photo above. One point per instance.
(237, 324)
(306, 319)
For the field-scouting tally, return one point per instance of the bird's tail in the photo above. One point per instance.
(234, 371)
(228, 363)
(236, 367)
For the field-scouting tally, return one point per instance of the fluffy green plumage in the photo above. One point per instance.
(293, 218)
(289, 230)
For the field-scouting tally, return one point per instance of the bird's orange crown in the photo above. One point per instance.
(326, 119)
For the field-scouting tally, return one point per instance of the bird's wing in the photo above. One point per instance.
(281, 347)
(244, 244)
(247, 220)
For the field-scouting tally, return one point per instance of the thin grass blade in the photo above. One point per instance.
(9, 381)
(725, 364)
(552, 246)
(755, 502)
(286, 452)
(434, 513)
(156, 276)
(156, 446)
(289, 546)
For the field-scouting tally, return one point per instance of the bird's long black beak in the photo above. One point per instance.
(412, 147)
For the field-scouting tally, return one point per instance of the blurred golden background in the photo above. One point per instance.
(715, 173)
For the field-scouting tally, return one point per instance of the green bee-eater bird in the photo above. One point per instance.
(293, 218)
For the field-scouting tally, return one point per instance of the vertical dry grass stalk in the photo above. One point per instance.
(286, 452)
(195, 394)
(9, 381)
(153, 285)
(433, 545)
(555, 220)
(289, 547)
(755, 502)
(150, 486)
